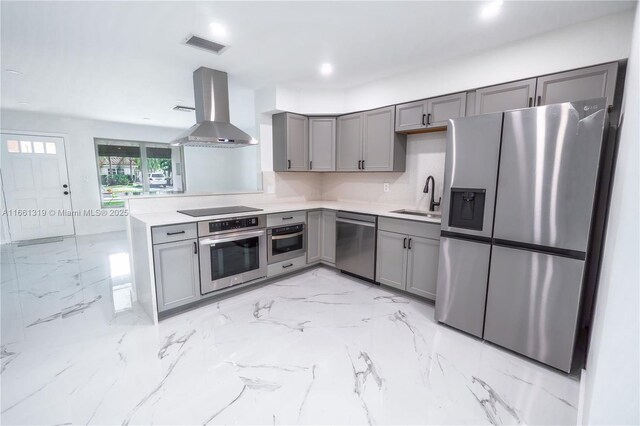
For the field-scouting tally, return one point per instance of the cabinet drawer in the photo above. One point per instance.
(286, 218)
(410, 227)
(170, 233)
(286, 266)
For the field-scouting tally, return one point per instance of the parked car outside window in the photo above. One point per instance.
(157, 179)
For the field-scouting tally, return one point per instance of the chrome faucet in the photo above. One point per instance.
(432, 203)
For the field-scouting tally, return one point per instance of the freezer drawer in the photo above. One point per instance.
(533, 303)
(548, 170)
(461, 292)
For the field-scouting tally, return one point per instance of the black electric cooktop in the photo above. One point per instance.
(218, 210)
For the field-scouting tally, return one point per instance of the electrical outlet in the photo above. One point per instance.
(386, 187)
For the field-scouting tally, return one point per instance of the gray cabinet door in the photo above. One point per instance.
(177, 273)
(440, 110)
(504, 97)
(411, 116)
(322, 144)
(378, 139)
(297, 142)
(314, 241)
(391, 264)
(422, 266)
(533, 303)
(349, 142)
(328, 231)
(578, 85)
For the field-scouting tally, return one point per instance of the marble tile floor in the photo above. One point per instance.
(318, 347)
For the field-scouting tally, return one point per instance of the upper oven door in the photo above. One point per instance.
(286, 242)
(232, 259)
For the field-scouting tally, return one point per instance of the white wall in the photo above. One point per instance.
(81, 159)
(612, 388)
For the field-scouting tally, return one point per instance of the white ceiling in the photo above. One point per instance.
(123, 61)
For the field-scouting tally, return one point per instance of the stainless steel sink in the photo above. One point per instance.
(433, 215)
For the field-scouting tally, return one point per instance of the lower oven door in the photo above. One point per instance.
(232, 259)
(286, 242)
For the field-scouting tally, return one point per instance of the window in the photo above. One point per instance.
(128, 168)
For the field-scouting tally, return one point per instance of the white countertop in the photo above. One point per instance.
(173, 217)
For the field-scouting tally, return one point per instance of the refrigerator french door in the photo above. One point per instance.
(546, 187)
(473, 150)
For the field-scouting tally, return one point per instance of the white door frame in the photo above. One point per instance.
(63, 136)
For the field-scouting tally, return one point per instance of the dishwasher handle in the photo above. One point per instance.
(356, 222)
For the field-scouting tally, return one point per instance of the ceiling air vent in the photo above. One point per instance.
(183, 108)
(203, 43)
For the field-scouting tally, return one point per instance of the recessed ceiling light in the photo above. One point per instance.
(491, 9)
(146, 118)
(23, 103)
(12, 71)
(218, 30)
(326, 69)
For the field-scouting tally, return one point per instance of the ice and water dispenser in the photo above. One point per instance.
(467, 208)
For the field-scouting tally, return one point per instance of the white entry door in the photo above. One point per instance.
(36, 186)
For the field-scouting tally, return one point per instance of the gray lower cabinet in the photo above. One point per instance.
(290, 142)
(578, 85)
(422, 266)
(328, 232)
(503, 97)
(322, 144)
(321, 236)
(177, 273)
(391, 263)
(349, 142)
(408, 262)
(314, 236)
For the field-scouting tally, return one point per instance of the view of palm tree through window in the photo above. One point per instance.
(135, 168)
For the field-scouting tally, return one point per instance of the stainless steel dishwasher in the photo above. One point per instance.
(356, 244)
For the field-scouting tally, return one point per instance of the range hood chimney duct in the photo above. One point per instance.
(213, 128)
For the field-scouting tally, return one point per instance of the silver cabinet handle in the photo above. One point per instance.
(175, 233)
(283, 237)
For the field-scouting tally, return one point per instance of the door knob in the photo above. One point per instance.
(65, 186)
(66, 192)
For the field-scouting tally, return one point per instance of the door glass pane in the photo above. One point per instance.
(120, 172)
(234, 257)
(161, 169)
(38, 147)
(25, 147)
(50, 147)
(13, 146)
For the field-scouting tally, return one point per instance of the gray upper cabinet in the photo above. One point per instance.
(382, 148)
(504, 97)
(367, 142)
(422, 266)
(578, 85)
(322, 144)
(411, 116)
(290, 142)
(177, 273)
(314, 236)
(391, 259)
(349, 142)
(440, 110)
(328, 230)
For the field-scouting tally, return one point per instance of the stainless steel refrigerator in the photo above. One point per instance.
(519, 196)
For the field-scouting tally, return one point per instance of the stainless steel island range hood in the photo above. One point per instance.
(212, 128)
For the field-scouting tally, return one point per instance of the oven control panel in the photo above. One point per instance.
(284, 230)
(231, 224)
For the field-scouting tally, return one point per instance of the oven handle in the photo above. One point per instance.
(282, 237)
(236, 237)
